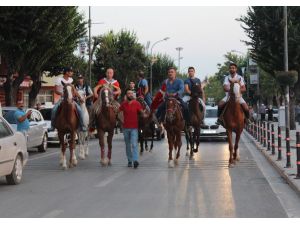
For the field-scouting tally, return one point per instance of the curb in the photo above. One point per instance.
(279, 169)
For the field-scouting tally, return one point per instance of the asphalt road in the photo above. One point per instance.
(203, 187)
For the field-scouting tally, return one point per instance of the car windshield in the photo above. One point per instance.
(46, 113)
(211, 113)
(9, 115)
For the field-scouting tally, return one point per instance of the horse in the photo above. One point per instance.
(234, 121)
(196, 118)
(105, 122)
(146, 127)
(83, 136)
(174, 124)
(67, 122)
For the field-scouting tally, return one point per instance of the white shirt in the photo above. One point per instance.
(235, 77)
(59, 84)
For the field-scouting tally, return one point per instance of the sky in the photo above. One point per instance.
(205, 33)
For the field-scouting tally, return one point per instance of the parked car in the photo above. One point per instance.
(210, 130)
(52, 133)
(37, 134)
(13, 153)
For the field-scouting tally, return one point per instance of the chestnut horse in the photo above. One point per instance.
(105, 122)
(233, 117)
(196, 118)
(67, 122)
(146, 123)
(174, 124)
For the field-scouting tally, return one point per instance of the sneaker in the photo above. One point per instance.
(135, 164)
(129, 164)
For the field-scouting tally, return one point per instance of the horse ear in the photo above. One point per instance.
(63, 83)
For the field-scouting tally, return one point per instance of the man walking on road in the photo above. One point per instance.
(130, 108)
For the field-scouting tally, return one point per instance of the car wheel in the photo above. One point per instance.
(163, 135)
(158, 136)
(16, 175)
(44, 145)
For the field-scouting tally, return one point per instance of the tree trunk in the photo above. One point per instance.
(35, 88)
(11, 88)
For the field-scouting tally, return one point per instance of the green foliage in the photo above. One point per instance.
(122, 52)
(214, 89)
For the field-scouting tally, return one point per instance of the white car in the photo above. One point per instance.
(210, 130)
(52, 133)
(37, 134)
(13, 153)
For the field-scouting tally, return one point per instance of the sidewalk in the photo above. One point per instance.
(289, 174)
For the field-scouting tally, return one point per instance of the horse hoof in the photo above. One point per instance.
(102, 162)
(231, 165)
(109, 163)
(237, 159)
(171, 164)
(176, 162)
(195, 150)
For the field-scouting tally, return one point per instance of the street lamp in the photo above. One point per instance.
(153, 60)
(179, 49)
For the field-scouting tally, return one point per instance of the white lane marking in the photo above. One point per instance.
(53, 213)
(110, 179)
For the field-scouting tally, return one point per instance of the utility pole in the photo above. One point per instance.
(90, 51)
(286, 68)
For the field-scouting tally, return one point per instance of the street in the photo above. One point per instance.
(203, 187)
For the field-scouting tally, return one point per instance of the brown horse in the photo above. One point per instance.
(233, 118)
(174, 124)
(146, 123)
(196, 118)
(67, 122)
(105, 122)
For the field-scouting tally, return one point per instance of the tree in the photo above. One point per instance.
(123, 53)
(35, 39)
(264, 27)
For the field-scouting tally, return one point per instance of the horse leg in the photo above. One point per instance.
(146, 144)
(86, 144)
(63, 160)
(178, 146)
(197, 138)
(236, 156)
(81, 141)
(73, 160)
(188, 140)
(109, 144)
(152, 138)
(141, 140)
(101, 143)
(170, 142)
(229, 134)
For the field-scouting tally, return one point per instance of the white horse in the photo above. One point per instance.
(83, 136)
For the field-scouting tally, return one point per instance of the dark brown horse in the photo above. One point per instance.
(196, 118)
(174, 124)
(146, 126)
(105, 122)
(67, 122)
(233, 118)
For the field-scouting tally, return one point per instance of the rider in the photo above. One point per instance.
(143, 89)
(67, 79)
(226, 86)
(188, 86)
(171, 87)
(82, 86)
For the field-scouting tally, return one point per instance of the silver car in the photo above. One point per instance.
(37, 135)
(210, 130)
(13, 153)
(52, 133)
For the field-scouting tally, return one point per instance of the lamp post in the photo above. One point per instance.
(152, 61)
(179, 49)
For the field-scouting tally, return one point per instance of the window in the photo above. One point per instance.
(4, 130)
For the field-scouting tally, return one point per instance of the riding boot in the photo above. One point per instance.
(247, 115)
(219, 121)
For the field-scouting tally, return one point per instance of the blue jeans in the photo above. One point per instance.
(78, 108)
(131, 141)
(148, 99)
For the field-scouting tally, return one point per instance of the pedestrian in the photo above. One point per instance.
(131, 108)
(22, 118)
(270, 113)
(262, 111)
(131, 87)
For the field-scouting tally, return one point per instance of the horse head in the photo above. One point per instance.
(171, 108)
(69, 92)
(196, 90)
(106, 95)
(235, 92)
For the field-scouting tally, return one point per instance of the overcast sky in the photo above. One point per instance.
(205, 33)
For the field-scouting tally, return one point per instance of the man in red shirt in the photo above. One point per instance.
(131, 108)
